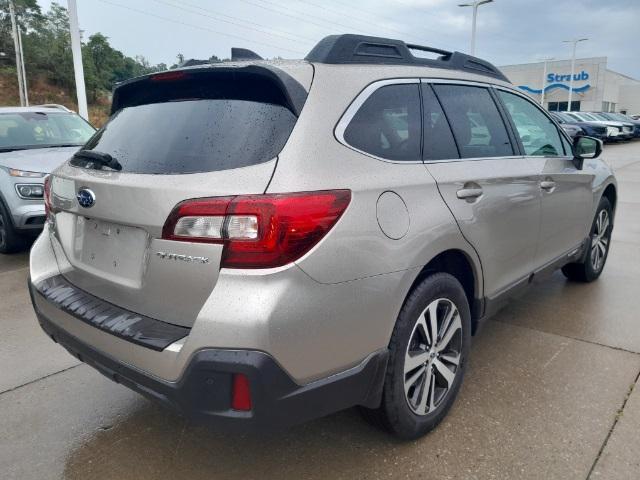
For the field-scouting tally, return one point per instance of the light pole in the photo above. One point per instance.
(15, 33)
(544, 78)
(475, 4)
(76, 52)
(573, 66)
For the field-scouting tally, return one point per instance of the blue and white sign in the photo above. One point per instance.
(556, 80)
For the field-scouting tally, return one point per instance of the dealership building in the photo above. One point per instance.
(595, 87)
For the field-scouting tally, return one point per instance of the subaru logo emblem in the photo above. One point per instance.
(86, 198)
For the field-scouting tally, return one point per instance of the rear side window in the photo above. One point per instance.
(438, 141)
(476, 123)
(537, 132)
(388, 124)
(190, 136)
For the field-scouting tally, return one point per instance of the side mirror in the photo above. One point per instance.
(584, 148)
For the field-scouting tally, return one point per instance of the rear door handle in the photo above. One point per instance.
(469, 193)
(547, 185)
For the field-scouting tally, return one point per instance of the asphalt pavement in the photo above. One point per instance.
(551, 393)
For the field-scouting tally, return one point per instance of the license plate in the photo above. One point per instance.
(111, 249)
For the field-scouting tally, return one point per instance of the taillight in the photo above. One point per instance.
(258, 231)
(47, 196)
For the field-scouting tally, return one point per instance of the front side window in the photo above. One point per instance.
(537, 132)
(476, 123)
(388, 124)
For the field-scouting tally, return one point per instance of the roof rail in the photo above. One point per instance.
(360, 49)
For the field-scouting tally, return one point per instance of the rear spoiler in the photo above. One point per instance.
(158, 87)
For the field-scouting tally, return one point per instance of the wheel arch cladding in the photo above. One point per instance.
(457, 263)
(611, 194)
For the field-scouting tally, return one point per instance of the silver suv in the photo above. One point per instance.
(256, 244)
(33, 141)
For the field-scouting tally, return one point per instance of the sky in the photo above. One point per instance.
(509, 31)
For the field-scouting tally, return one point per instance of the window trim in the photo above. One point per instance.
(355, 105)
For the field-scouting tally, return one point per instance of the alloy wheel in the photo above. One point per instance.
(600, 240)
(433, 357)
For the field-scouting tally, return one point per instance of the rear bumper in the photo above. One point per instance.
(203, 392)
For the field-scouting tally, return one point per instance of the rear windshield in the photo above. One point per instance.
(190, 136)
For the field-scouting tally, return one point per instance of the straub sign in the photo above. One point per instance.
(556, 80)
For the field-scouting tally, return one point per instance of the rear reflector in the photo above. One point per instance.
(241, 396)
(258, 231)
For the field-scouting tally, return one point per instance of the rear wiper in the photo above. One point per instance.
(99, 158)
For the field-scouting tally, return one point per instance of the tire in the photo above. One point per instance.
(599, 244)
(413, 413)
(10, 240)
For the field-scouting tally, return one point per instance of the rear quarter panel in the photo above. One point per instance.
(313, 159)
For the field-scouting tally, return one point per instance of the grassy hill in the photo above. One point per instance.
(41, 91)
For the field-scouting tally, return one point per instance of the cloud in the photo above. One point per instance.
(509, 31)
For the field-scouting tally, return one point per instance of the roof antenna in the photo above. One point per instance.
(243, 54)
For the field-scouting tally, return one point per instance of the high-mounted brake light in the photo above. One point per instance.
(258, 231)
(168, 76)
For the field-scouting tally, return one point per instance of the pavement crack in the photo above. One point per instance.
(39, 379)
(613, 426)
(591, 342)
(563, 345)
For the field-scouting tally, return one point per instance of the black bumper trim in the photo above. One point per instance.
(203, 393)
(135, 328)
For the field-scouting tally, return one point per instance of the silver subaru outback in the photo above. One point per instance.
(259, 243)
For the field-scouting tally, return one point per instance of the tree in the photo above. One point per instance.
(47, 50)
(27, 12)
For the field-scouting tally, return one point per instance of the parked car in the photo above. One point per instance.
(615, 131)
(590, 129)
(33, 141)
(624, 118)
(627, 126)
(572, 130)
(260, 243)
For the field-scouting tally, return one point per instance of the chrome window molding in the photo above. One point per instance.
(362, 97)
(453, 81)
